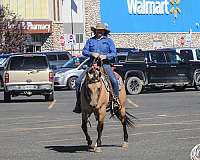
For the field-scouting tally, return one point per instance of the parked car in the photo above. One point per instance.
(3, 60)
(122, 54)
(188, 54)
(69, 72)
(57, 58)
(28, 74)
(158, 69)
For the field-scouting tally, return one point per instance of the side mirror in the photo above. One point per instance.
(84, 66)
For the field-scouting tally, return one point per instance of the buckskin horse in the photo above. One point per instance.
(95, 98)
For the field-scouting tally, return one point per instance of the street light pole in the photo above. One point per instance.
(72, 28)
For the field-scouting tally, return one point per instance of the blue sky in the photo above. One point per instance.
(115, 13)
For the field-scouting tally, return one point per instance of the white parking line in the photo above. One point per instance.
(132, 103)
(51, 104)
(119, 135)
(108, 125)
(21, 118)
(164, 124)
(186, 138)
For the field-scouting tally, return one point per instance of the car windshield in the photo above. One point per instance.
(28, 63)
(74, 62)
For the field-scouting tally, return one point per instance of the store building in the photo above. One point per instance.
(145, 24)
(38, 19)
(151, 24)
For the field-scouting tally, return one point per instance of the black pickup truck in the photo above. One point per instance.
(158, 69)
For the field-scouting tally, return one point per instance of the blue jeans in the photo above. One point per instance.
(110, 74)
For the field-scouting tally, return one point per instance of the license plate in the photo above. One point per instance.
(29, 87)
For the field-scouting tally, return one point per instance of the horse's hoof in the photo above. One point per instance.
(98, 149)
(125, 145)
(91, 148)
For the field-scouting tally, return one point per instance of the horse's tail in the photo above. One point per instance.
(129, 118)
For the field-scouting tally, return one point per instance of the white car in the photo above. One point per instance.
(69, 72)
(188, 54)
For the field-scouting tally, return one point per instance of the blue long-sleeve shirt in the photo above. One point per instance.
(104, 46)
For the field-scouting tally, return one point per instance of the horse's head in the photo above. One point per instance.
(93, 77)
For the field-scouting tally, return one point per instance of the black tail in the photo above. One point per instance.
(130, 119)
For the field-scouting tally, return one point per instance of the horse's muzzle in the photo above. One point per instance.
(93, 105)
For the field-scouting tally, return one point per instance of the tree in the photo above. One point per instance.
(12, 34)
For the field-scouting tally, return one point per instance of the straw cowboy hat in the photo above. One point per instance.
(100, 26)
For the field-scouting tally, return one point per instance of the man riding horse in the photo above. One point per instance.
(102, 47)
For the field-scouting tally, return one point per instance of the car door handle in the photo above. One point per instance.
(173, 66)
(153, 66)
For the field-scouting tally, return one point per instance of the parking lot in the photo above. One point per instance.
(167, 128)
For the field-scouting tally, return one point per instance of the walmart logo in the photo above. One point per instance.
(175, 8)
(152, 7)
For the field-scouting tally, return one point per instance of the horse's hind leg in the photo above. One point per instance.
(85, 130)
(124, 124)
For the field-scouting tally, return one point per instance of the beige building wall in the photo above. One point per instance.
(29, 9)
(47, 9)
(138, 40)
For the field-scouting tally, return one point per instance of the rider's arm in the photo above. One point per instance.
(86, 50)
(112, 52)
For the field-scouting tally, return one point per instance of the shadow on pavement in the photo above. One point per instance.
(150, 91)
(73, 149)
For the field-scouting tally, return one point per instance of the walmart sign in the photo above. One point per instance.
(124, 16)
(147, 7)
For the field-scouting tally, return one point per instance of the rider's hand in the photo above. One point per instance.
(102, 57)
(95, 55)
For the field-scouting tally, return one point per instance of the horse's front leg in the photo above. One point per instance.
(101, 117)
(85, 130)
(124, 124)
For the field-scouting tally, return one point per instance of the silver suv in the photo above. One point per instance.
(69, 72)
(28, 74)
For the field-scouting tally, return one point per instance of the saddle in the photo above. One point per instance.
(105, 79)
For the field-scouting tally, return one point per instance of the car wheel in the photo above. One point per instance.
(49, 97)
(71, 83)
(179, 88)
(197, 87)
(1, 83)
(134, 85)
(7, 97)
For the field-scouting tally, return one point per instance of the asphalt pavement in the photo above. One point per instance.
(167, 128)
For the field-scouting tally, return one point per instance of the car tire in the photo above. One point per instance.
(1, 83)
(7, 97)
(49, 97)
(197, 87)
(179, 88)
(71, 83)
(134, 85)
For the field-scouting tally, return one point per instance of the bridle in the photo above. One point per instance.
(93, 76)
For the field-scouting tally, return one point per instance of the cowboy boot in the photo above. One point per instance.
(77, 108)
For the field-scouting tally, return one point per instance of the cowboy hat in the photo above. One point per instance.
(100, 26)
